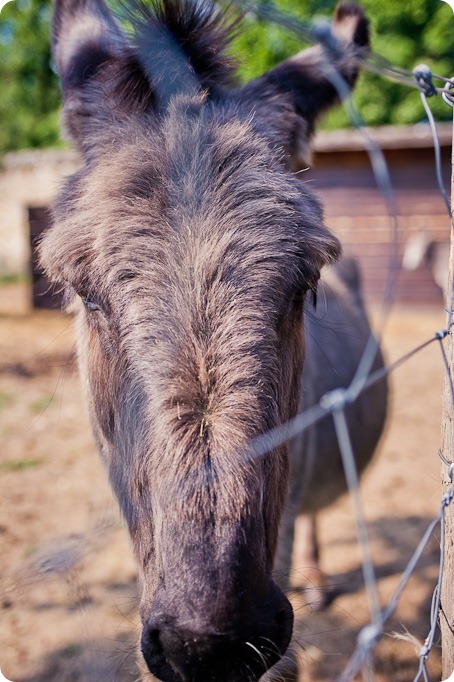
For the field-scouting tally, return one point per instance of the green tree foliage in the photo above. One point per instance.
(29, 95)
(407, 33)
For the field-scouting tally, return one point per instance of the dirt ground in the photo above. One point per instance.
(68, 593)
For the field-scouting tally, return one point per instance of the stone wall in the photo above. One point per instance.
(27, 179)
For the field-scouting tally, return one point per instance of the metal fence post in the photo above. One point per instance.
(447, 588)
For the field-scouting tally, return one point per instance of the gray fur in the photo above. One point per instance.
(187, 248)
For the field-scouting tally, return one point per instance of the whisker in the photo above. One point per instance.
(251, 675)
(274, 646)
(259, 653)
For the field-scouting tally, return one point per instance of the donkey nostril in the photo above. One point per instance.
(152, 640)
(282, 618)
(167, 654)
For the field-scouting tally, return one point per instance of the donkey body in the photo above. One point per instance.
(336, 336)
(187, 247)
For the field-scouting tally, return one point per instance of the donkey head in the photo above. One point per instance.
(187, 247)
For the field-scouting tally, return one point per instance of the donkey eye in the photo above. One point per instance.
(88, 302)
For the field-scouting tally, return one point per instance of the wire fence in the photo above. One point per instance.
(336, 402)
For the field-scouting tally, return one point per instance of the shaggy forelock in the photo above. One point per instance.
(199, 176)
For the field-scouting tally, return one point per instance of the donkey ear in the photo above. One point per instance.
(292, 96)
(100, 76)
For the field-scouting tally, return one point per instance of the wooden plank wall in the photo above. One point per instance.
(357, 213)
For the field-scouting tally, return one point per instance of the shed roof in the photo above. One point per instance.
(327, 141)
(388, 137)
(35, 158)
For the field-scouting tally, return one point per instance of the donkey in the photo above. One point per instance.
(188, 247)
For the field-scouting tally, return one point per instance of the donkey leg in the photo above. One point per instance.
(306, 574)
(283, 559)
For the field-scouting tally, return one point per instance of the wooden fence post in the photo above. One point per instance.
(447, 438)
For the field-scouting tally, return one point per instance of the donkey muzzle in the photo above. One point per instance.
(201, 651)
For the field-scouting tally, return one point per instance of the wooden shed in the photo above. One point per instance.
(357, 212)
(44, 294)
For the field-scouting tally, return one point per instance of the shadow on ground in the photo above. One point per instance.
(326, 639)
(91, 661)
